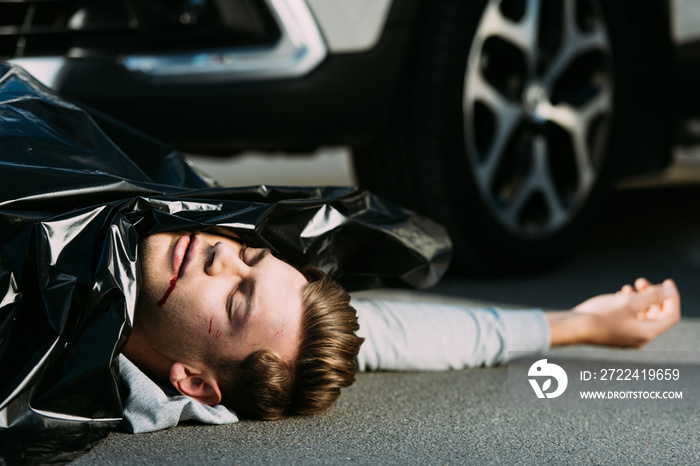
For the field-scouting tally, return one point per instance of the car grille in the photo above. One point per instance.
(80, 28)
(53, 27)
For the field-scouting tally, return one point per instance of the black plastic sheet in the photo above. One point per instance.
(77, 191)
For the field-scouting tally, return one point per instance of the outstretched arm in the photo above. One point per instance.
(411, 335)
(431, 336)
(629, 318)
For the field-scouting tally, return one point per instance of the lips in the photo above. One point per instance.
(182, 247)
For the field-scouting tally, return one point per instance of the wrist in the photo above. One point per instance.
(569, 328)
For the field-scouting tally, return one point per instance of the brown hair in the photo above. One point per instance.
(265, 386)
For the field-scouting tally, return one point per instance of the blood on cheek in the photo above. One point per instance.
(170, 289)
(173, 282)
(216, 333)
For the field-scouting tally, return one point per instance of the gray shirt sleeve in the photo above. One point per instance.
(429, 336)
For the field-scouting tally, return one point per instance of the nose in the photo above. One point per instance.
(224, 258)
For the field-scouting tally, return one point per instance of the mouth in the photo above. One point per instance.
(180, 255)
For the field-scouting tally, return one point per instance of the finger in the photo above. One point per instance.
(652, 295)
(654, 312)
(642, 284)
(672, 303)
(668, 314)
(627, 290)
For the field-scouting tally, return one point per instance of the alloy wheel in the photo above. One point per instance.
(537, 107)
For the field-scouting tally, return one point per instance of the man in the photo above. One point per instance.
(205, 297)
(221, 321)
(208, 299)
(79, 191)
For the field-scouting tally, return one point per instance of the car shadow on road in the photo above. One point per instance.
(642, 232)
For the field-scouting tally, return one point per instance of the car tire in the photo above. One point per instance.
(511, 125)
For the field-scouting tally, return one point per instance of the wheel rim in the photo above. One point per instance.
(538, 102)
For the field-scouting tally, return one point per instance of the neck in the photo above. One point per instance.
(146, 357)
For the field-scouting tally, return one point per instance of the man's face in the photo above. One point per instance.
(204, 295)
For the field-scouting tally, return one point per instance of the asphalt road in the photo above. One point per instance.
(464, 416)
(651, 232)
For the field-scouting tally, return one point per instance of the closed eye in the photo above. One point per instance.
(229, 304)
(240, 312)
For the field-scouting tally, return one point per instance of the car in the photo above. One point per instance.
(505, 120)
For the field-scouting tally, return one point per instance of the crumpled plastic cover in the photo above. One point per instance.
(77, 191)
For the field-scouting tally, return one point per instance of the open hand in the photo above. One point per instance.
(630, 318)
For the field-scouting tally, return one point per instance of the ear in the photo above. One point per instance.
(200, 385)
